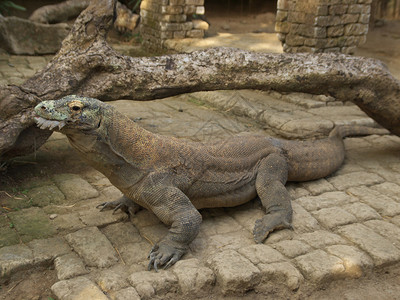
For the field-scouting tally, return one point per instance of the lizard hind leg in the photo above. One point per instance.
(270, 186)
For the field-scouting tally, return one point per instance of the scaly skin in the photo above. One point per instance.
(173, 178)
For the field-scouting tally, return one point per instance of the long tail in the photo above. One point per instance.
(310, 160)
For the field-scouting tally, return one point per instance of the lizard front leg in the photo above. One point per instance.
(124, 203)
(270, 186)
(173, 208)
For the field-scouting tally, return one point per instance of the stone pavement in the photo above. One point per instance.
(345, 226)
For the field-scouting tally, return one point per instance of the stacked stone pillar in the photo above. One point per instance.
(170, 19)
(322, 25)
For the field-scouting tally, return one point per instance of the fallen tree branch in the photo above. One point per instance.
(86, 65)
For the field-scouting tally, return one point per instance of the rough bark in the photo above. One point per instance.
(61, 12)
(86, 65)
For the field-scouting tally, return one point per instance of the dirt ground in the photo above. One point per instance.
(383, 43)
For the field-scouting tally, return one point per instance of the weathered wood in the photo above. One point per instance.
(86, 65)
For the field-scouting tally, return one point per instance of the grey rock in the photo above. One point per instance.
(79, 288)
(327, 199)
(74, 187)
(380, 249)
(15, 258)
(122, 233)
(321, 238)
(235, 273)
(261, 254)
(125, 294)
(95, 217)
(95, 249)
(355, 261)
(317, 187)
(384, 205)
(69, 266)
(385, 229)
(21, 36)
(319, 266)
(111, 280)
(45, 250)
(292, 248)
(343, 182)
(362, 211)
(332, 217)
(303, 221)
(149, 284)
(193, 278)
(281, 272)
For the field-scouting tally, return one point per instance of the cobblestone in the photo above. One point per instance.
(69, 266)
(343, 182)
(386, 206)
(344, 226)
(93, 247)
(148, 284)
(319, 266)
(194, 279)
(292, 248)
(128, 293)
(334, 216)
(380, 249)
(79, 288)
(235, 274)
(355, 262)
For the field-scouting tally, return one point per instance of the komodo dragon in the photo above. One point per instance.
(173, 178)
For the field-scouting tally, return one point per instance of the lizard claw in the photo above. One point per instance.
(163, 255)
(268, 223)
(124, 204)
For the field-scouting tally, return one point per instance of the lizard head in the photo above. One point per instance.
(71, 112)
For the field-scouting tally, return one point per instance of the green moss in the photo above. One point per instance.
(32, 223)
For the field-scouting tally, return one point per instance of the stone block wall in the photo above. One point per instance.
(170, 19)
(322, 25)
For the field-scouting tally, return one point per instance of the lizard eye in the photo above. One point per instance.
(76, 108)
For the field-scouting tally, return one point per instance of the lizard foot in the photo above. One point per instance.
(268, 223)
(164, 255)
(123, 203)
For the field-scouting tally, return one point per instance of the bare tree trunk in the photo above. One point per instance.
(87, 65)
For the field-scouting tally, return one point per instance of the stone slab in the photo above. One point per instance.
(324, 200)
(128, 293)
(318, 266)
(281, 272)
(69, 266)
(74, 187)
(382, 251)
(355, 261)
(362, 211)
(386, 229)
(148, 284)
(345, 181)
(292, 248)
(93, 246)
(261, 254)
(45, 250)
(332, 217)
(384, 205)
(79, 288)
(122, 233)
(15, 258)
(193, 278)
(234, 272)
(32, 223)
(321, 238)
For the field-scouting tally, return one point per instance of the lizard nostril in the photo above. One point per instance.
(43, 107)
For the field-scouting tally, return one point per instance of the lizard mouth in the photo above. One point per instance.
(49, 124)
